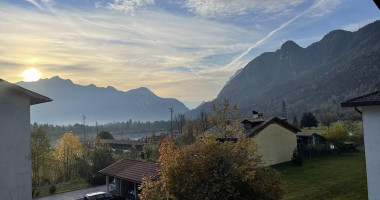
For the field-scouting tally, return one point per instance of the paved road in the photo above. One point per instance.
(73, 195)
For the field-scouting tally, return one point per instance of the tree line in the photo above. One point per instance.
(129, 129)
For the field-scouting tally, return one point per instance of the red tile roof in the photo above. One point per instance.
(131, 170)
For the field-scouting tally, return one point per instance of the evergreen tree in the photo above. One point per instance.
(295, 121)
(308, 120)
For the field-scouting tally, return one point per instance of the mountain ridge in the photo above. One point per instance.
(99, 104)
(293, 73)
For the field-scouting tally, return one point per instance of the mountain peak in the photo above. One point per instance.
(142, 91)
(289, 45)
(59, 79)
(336, 34)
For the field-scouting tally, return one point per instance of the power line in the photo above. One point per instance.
(84, 128)
(171, 122)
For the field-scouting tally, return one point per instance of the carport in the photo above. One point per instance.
(128, 176)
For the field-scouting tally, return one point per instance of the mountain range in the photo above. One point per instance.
(103, 105)
(317, 78)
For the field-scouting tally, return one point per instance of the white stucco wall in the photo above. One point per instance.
(371, 128)
(15, 161)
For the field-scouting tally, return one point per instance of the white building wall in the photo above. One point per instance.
(371, 128)
(15, 158)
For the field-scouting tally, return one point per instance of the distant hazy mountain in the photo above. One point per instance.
(71, 101)
(341, 65)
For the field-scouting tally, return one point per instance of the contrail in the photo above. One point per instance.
(271, 33)
(35, 4)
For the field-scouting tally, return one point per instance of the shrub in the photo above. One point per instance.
(52, 189)
(297, 158)
(97, 179)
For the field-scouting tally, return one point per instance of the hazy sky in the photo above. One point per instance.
(186, 49)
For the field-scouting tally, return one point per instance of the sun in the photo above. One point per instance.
(31, 75)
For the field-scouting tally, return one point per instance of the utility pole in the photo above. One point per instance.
(284, 113)
(84, 128)
(97, 128)
(171, 122)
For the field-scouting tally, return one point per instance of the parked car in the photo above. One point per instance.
(102, 196)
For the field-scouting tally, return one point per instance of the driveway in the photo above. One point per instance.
(73, 195)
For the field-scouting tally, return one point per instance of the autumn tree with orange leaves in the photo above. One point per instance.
(213, 170)
(68, 148)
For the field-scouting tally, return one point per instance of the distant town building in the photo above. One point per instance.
(15, 152)
(123, 144)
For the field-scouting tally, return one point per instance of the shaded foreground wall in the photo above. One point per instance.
(371, 127)
(15, 158)
(276, 144)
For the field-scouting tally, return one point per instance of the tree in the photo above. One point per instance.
(295, 121)
(150, 150)
(100, 157)
(68, 148)
(209, 169)
(203, 120)
(40, 153)
(338, 136)
(180, 121)
(225, 119)
(308, 120)
(104, 135)
(327, 119)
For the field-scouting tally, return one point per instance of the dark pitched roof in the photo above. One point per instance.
(371, 99)
(131, 170)
(258, 124)
(305, 134)
(266, 121)
(125, 142)
(35, 98)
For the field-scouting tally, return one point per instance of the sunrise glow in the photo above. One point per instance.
(31, 75)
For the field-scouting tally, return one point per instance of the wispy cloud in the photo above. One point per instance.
(312, 8)
(226, 8)
(35, 3)
(129, 6)
(122, 50)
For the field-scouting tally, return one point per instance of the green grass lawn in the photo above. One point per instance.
(64, 187)
(328, 177)
(323, 129)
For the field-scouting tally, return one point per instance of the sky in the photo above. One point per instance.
(184, 49)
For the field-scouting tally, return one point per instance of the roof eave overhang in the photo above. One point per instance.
(360, 104)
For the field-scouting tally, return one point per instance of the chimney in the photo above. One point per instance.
(256, 114)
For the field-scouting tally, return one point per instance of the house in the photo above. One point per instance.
(15, 153)
(275, 136)
(123, 144)
(128, 175)
(369, 107)
(306, 138)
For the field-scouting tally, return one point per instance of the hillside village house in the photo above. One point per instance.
(369, 106)
(15, 162)
(276, 138)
